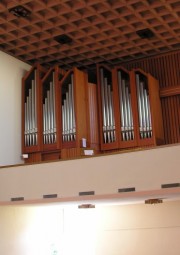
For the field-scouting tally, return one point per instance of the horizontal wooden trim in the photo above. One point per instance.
(172, 91)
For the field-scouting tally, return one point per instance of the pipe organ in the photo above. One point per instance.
(63, 114)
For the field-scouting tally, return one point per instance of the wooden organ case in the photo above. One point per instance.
(50, 112)
(125, 108)
(129, 108)
(31, 124)
(63, 115)
(150, 124)
(59, 115)
(73, 105)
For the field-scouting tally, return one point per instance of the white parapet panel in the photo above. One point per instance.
(145, 170)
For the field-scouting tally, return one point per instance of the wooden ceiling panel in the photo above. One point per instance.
(101, 30)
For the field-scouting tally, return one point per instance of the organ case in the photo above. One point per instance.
(137, 118)
(73, 105)
(31, 124)
(150, 124)
(126, 117)
(93, 122)
(50, 114)
(60, 111)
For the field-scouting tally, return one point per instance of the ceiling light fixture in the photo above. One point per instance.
(153, 201)
(20, 11)
(86, 206)
(145, 33)
(63, 39)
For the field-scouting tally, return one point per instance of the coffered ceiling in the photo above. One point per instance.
(99, 30)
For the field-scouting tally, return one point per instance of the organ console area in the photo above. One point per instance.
(64, 116)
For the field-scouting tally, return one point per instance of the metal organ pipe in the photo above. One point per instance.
(128, 114)
(139, 107)
(30, 115)
(49, 116)
(145, 126)
(127, 126)
(68, 114)
(121, 107)
(35, 110)
(107, 109)
(125, 109)
(54, 111)
(73, 109)
(111, 124)
(103, 104)
(143, 110)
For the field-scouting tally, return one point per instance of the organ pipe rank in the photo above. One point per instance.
(68, 114)
(49, 116)
(30, 131)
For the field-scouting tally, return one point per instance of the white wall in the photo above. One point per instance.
(110, 230)
(11, 73)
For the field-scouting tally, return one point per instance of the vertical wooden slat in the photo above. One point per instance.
(174, 69)
(177, 64)
(173, 127)
(93, 116)
(178, 117)
(160, 75)
(164, 119)
(165, 74)
(171, 118)
(164, 67)
(170, 140)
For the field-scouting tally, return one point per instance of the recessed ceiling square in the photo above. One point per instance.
(63, 39)
(20, 11)
(145, 33)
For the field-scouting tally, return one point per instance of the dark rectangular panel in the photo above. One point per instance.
(170, 185)
(126, 189)
(86, 193)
